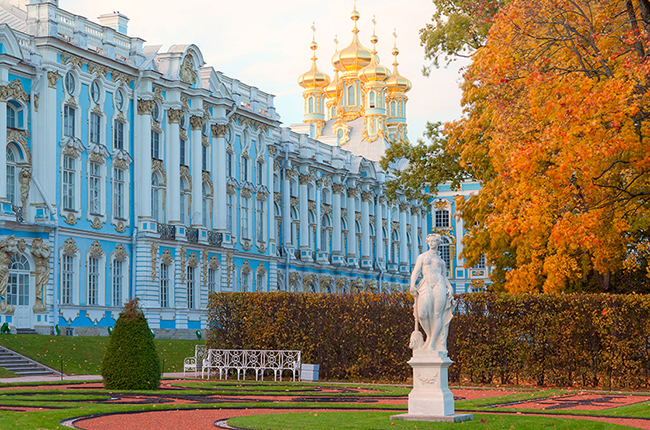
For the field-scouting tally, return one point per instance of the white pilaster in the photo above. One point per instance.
(197, 171)
(337, 254)
(403, 249)
(173, 167)
(305, 251)
(414, 235)
(352, 231)
(143, 160)
(219, 177)
(366, 262)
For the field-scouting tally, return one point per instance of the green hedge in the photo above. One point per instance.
(581, 340)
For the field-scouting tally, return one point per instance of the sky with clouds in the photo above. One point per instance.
(266, 43)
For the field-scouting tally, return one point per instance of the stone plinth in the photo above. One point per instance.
(431, 399)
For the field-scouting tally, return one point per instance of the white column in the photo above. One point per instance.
(365, 228)
(3, 151)
(352, 231)
(336, 219)
(425, 229)
(219, 176)
(143, 160)
(286, 203)
(403, 249)
(379, 230)
(389, 223)
(304, 212)
(173, 166)
(317, 245)
(197, 170)
(48, 113)
(414, 235)
(270, 201)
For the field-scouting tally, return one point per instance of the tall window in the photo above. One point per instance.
(93, 280)
(118, 135)
(371, 100)
(118, 282)
(245, 216)
(324, 234)
(118, 193)
(191, 286)
(156, 199)
(212, 280)
(259, 221)
(395, 253)
(229, 213)
(94, 188)
(442, 218)
(205, 206)
(155, 145)
(67, 279)
(164, 285)
(259, 173)
(481, 263)
(18, 283)
(68, 182)
(244, 169)
(12, 169)
(229, 164)
(204, 158)
(185, 200)
(68, 121)
(445, 253)
(245, 282)
(351, 96)
(183, 149)
(259, 282)
(11, 116)
(95, 121)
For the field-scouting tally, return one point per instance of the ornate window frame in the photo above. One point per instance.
(120, 254)
(95, 252)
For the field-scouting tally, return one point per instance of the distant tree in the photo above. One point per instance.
(131, 361)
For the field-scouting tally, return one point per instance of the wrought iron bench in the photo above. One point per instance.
(259, 361)
(194, 363)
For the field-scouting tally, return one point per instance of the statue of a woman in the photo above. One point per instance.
(434, 300)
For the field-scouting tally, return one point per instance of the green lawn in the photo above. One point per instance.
(82, 355)
(364, 420)
(4, 373)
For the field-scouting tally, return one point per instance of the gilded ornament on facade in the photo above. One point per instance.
(121, 159)
(41, 253)
(404, 207)
(98, 153)
(352, 192)
(366, 196)
(21, 245)
(272, 150)
(311, 205)
(121, 77)
(204, 266)
(120, 227)
(246, 245)
(197, 122)
(183, 257)
(52, 79)
(294, 280)
(308, 281)
(185, 101)
(371, 219)
(341, 283)
(120, 252)
(157, 94)
(357, 217)
(246, 267)
(295, 202)
(167, 256)
(344, 213)
(441, 204)
(96, 249)
(371, 286)
(154, 260)
(395, 225)
(24, 177)
(229, 268)
(219, 130)
(96, 224)
(8, 249)
(14, 90)
(261, 269)
(74, 61)
(214, 262)
(193, 260)
(326, 209)
(96, 69)
(72, 147)
(70, 219)
(174, 116)
(187, 73)
(70, 246)
(19, 137)
(338, 188)
(145, 106)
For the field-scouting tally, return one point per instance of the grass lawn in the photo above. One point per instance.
(82, 355)
(4, 373)
(364, 420)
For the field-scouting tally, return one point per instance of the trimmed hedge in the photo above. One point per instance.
(581, 340)
(131, 361)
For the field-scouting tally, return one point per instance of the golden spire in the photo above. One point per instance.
(332, 89)
(397, 83)
(374, 71)
(314, 78)
(354, 57)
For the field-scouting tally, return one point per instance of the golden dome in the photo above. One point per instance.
(374, 72)
(397, 83)
(314, 78)
(354, 57)
(332, 89)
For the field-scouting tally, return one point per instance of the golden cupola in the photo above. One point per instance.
(397, 83)
(314, 81)
(354, 57)
(374, 72)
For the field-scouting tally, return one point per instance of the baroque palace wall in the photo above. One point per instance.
(136, 173)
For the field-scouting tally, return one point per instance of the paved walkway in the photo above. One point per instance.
(22, 379)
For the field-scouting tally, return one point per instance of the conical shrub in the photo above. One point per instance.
(131, 361)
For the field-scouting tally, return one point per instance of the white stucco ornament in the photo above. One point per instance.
(431, 399)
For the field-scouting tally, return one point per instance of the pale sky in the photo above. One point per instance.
(266, 43)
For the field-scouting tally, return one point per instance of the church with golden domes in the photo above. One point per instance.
(363, 107)
(132, 172)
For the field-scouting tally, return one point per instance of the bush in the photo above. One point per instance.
(543, 339)
(131, 361)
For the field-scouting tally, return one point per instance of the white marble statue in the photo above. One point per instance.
(434, 300)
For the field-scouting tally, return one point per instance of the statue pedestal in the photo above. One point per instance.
(431, 399)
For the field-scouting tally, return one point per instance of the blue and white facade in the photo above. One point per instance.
(137, 173)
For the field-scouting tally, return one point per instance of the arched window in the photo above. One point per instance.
(325, 196)
(18, 283)
(444, 251)
(206, 206)
(371, 99)
(11, 115)
(156, 199)
(185, 201)
(191, 287)
(351, 96)
(294, 226)
(324, 233)
(311, 104)
(395, 247)
(392, 109)
(245, 218)
(12, 175)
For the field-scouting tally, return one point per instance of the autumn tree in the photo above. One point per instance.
(555, 127)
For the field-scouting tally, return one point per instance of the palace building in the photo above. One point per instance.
(132, 172)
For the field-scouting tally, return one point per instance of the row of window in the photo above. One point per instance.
(70, 127)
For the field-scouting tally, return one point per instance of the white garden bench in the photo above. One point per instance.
(193, 364)
(224, 360)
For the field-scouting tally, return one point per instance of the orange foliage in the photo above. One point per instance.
(556, 128)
